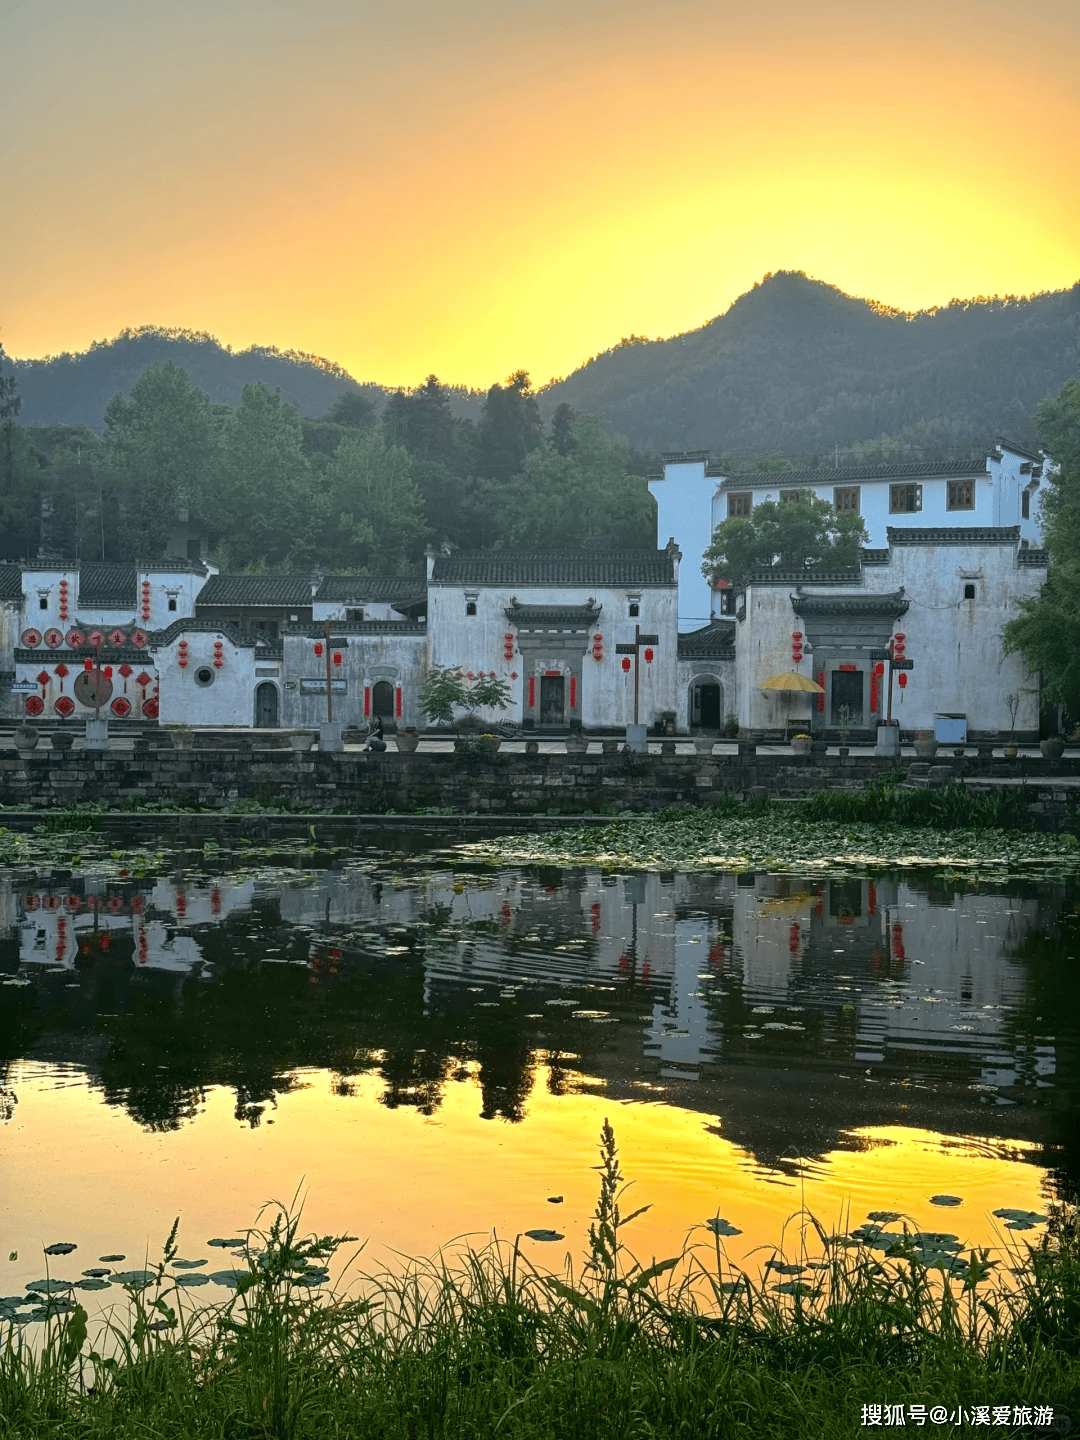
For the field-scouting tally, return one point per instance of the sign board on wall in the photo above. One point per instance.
(318, 687)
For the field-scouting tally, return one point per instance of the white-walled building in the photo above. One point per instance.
(949, 590)
(550, 625)
(693, 497)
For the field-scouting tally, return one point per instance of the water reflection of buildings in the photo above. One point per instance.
(791, 1009)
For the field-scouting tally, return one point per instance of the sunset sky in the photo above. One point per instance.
(408, 186)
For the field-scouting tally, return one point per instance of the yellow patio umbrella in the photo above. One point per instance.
(792, 681)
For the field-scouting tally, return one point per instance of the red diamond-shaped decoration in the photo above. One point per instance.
(43, 677)
(142, 678)
(61, 670)
(125, 670)
(513, 675)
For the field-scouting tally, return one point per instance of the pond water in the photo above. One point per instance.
(428, 1049)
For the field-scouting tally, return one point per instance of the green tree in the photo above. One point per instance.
(1043, 632)
(375, 510)
(558, 499)
(509, 429)
(268, 513)
(352, 409)
(447, 689)
(10, 405)
(160, 456)
(805, 533)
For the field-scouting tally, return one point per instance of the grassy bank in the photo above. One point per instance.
(885, 828)
(492, 1345)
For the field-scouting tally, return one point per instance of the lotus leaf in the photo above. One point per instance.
(139, 1278)
(111, 1259)
(935, 1240)
(945, 1200)
(189, 1280)
(884, 1217)
(1020, 1219)
(61, 1247)
(228, 1244)
(231, 1278)
(96, 1272)
(94, 1283)
(782, 1268)
(544, 1235)
(188, 1264)
(722, 1227)
(49, 1287)
(795, 1287)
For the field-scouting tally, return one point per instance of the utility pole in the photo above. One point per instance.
(329, 691)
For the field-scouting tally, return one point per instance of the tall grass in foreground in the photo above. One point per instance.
(484, 1343)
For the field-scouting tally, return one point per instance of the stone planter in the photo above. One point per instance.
(801, 744)
(407, 740)
(62, 740)
(301, 742)
(703, 744)
(532, 747)
(26, 739)
(576, 744)
(609, 747)
(667, 747)
(1011, 751)
(842, 750)
(1052, 748)
(926, 749)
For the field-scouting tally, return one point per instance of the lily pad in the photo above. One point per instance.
(49, 1287)
(1020, 1219)
(190, 1280)
(61, 1247)
(139, 1278)
(94, 1283)
(884, 1217)
(945, 1200)
(227, 1244)
(231, 1278)
(311, 1278)
(111, 1259)
(544, 1235)
(782, 1268)
(96, 1272)
(722, 1227)
(189, 1264)
(795, 1287)
(555, 1199)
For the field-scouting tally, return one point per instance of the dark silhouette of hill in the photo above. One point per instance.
(75, 389)
(797, 366)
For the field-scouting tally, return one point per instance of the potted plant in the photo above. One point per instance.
(800, 744)
(1052, 747)
(26, 739)
(577, 742)
(448, 689)
(925, 744)
(845, 723)
(1012, 700)
(704, 741)
(407, 739)
(62, 740)
(731, 726)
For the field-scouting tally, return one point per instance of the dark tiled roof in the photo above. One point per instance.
(875, 557)
(11, 582)
(579, 616)
(376, 589)
(713, 642)
(164, 565)
(846, 475)
(316, 631)
(850, 575)
(891, 604)
(953, 534)
(1035, 558)
(270, 590)
(578, 568)
(203, 625)
(684, 457)
(1014, 449)
(108, 587)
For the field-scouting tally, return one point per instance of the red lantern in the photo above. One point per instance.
(899, 640)
(337, 657)
(318, 649)
(107, 672)
(626, 662)
(648, 657)
(796, 646)
(901, 679)
(508, 647)
(88, 664)
(879, 669)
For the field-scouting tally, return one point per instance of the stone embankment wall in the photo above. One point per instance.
(509, 784)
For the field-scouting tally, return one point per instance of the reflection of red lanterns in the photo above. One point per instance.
(626, 663)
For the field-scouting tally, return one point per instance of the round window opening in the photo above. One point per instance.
(204, 675)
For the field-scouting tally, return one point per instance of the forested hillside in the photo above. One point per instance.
(798, 367)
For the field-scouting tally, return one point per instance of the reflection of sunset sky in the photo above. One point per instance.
(475, 188)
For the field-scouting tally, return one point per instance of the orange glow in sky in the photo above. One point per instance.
(410, 186)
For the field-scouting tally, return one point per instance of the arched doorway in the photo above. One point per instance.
(382, 700)
(266, 706)
(706, 708)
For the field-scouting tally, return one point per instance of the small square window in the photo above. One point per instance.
(470, 607)
(961, 495)
(172, 602)
(846, 500)
(43, 602)
(354, 614)
(635, 609)
(905, 499)
(739, 505)
(727, 601)
(969, 592)
(1025, 505)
